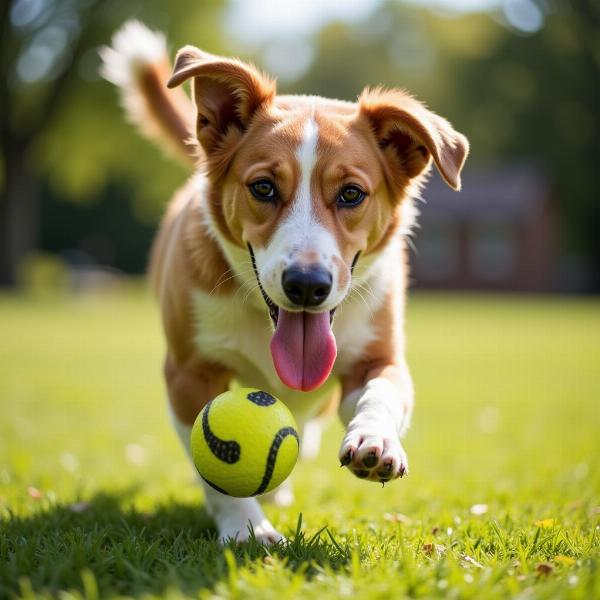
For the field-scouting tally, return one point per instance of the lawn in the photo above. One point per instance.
(97, 499)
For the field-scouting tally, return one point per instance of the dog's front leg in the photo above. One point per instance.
(376, 409)
(190, 388)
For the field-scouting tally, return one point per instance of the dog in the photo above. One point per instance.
(281, 263)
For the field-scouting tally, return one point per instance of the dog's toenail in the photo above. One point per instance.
(346, 458)
(361, 473)
(370, 460)
(402, 471)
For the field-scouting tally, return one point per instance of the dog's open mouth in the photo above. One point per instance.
(303, 346)
(274, 309)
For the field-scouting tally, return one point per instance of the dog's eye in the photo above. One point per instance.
(350, 195)
(263, 189)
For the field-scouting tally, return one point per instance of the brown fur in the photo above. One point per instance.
(385, 144)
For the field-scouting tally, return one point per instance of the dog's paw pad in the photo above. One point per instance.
(372, 456)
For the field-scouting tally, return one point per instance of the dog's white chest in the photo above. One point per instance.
(238, 334)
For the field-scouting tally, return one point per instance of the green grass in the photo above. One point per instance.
(97, 499)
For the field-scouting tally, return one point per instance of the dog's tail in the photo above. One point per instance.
(138, 64)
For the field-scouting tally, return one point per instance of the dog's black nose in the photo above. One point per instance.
(306, 286)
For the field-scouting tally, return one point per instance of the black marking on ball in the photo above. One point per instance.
(226, 450)
(272, 456)
(261, 398)
(213, 485)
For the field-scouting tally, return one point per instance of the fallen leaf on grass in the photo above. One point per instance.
(471, 561)
(35, 493)
(135, 454)
(79, 507)
(544, 523)
(479, 509)
(429, 549)
(564, 560)
(397, 518)
(544, 569)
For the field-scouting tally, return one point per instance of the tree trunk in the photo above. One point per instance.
(19, 212)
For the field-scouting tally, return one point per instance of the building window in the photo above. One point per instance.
(493, 249)
(437, 251)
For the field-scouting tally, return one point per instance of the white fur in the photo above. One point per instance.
(300, 232)
(376, 417)
(237, 335)
(134, 47)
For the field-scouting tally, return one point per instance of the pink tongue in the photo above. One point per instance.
(303, 349)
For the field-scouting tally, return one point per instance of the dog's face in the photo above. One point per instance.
(308, 186)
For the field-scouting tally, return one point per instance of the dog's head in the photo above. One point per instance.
(307, 185)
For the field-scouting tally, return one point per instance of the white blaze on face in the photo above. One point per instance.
(301, 231)
(302, 218)
(303, 346)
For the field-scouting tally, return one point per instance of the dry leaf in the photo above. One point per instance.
(544, 569)
(470, 560)
(430, 548)
(435, 530)
(135, 454)
(397, 518)
(35, 493)
(79, 507)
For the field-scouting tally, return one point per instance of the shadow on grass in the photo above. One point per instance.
(124, 551)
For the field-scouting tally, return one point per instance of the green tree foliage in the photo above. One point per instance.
(517, 96)
(60, 124)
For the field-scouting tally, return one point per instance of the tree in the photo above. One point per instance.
(516, 95)
(59, 124)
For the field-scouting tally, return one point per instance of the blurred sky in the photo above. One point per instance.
(256, 20)
(281, 29)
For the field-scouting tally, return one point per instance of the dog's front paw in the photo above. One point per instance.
(373, 453)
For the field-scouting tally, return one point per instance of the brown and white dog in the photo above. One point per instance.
(281, 263)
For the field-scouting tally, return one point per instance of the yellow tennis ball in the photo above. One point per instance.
(244, 442)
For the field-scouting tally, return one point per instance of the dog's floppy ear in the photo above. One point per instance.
(227, 92)
(410, 135)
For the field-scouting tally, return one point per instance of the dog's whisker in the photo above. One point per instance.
(233, 276)
(365, 287)
(357, 292)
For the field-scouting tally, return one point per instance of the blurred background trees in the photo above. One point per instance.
(521, 79)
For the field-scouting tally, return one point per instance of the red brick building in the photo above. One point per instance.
(497, 233)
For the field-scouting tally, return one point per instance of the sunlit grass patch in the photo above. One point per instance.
(97, 499)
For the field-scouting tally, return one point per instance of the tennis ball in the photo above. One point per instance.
(244, 442)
